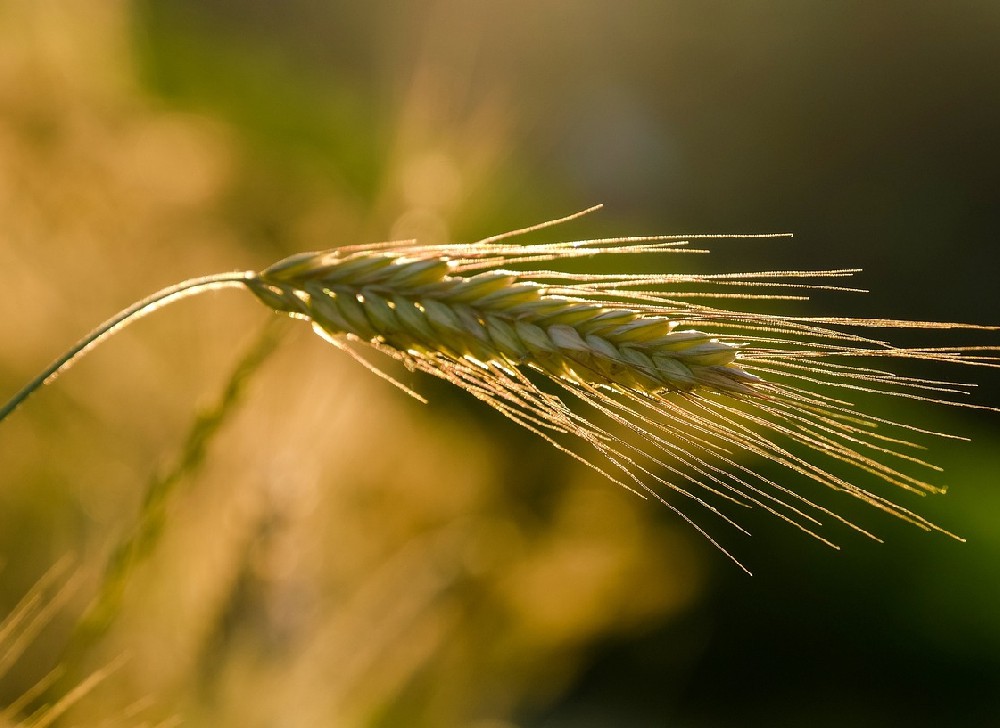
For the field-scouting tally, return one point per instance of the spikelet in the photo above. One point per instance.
(673, 391)
(680, 387)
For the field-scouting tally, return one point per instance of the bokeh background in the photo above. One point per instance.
(335, 554)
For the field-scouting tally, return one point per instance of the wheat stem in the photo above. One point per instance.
(121, 319)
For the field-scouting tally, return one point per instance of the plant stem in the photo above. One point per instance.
(121, 319)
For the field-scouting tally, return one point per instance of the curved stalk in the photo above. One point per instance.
(121, 319)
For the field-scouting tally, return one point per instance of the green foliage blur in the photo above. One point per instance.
(335, 554)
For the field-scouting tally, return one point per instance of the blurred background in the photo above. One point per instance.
(317, 549)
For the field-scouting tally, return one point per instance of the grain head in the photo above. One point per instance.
(675, 393)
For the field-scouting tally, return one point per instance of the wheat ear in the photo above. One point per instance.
(676, 389)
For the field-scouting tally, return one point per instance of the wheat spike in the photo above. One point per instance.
(677, 389)
(413, 304)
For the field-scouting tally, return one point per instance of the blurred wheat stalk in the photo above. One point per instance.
(670, 405)
(36, 610)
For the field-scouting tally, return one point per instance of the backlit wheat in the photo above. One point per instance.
(673, 390)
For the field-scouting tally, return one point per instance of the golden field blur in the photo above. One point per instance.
(343, 556)
(340, 555)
